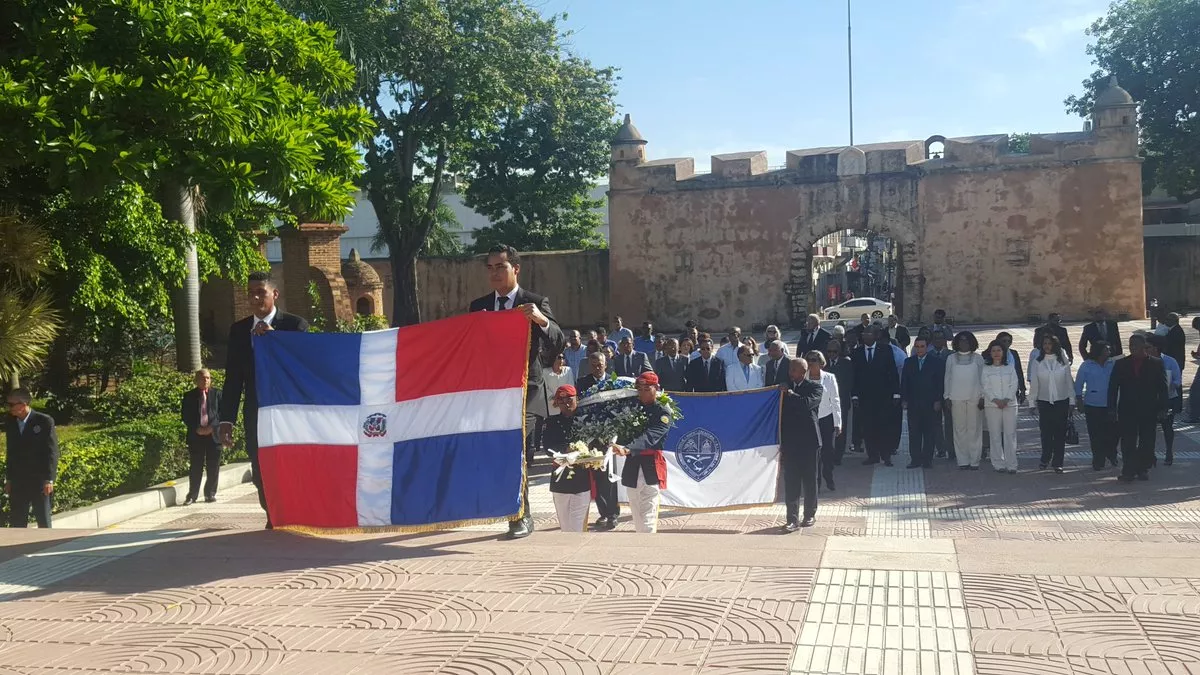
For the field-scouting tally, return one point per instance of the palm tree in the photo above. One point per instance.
(28, 322)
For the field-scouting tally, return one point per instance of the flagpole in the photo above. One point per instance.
(850, 70)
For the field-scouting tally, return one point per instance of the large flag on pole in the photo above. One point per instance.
(415, 428)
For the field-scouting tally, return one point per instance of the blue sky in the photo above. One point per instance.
(710, 76)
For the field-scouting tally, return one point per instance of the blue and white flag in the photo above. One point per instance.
(725, 450)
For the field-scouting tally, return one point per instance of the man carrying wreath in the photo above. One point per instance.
(645, 472)
(571, 488)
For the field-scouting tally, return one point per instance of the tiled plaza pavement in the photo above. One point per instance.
(919, 572)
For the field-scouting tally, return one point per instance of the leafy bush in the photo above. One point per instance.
(70, 406)
(121, 459)
(152, 390)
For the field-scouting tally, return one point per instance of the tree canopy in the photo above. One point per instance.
(1153, 47)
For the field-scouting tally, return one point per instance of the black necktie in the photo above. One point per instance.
(628, 364)
(501, 302)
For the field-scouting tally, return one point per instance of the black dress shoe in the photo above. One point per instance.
(1058, 469)
(887, 462)
(914, 465)
(1125, 479)
(829, 484)
(927, 465)
(808, 521)
(941, 454)
(1042, 465)
(790, 527)
(1169, 460)
(519, 529)
(1143, 476)
(210, 499)
(607, 523)
(869, 462)
(269, 526)
(189, 501)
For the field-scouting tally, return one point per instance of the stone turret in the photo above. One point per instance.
(1114, 122)
(628, 153)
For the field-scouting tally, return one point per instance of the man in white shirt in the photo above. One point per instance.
(575, 352)
(621, 332)
(746, 374)
(728, 353)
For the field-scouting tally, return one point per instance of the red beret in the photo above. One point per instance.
(648, 378)
(565, 390)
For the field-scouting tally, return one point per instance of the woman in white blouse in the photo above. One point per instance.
(964, 392)
(829, 416)
(1051, 386)
(1000, 407)
(558, 375)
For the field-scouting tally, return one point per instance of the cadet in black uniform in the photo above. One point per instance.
(645, 472)
(571, 489)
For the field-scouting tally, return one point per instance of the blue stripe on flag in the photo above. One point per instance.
(740, 420)
(458, 477)
(307, 368)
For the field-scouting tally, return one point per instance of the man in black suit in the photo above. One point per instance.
(671, 367)
(239, 369)
(1053, 327)
(1137, 395)
(839, 364)
(876, 395)
(32, 454)
(629, 363)
(503, 266)
(1102, 329)
(899, 332)
(1176, 346)
(606, 490)
(705, 373)
(776, 369)
(800, 443)
(813, 338)
(201, 414)
(921, 390)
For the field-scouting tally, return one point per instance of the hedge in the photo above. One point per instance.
(145, 445)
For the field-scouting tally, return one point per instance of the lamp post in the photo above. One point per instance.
(850, 69)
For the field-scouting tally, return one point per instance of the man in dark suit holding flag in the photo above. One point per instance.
(876, 394)
(503, 266)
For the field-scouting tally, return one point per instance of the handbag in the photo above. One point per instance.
(1072, 432)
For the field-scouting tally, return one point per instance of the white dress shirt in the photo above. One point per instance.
(552, 381)
(728, 353)
(268, 320)
(741, 378)
(831, 398)
(512, 298)
(1050, 380)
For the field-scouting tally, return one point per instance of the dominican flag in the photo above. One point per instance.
(407, 427)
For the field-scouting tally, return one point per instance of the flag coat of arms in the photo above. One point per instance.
(410, 428)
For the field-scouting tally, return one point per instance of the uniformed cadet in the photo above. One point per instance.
(645, 472)
(571, 489)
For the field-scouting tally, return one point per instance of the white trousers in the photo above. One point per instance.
(1002, 430)
(968, 431)
(572, 510)
(643, 505)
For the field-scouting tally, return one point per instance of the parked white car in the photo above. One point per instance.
(852, 309)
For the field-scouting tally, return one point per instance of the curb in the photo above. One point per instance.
(124, 507)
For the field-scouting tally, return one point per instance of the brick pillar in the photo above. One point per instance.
(313, 252)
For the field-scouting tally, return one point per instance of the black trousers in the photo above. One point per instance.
(204, 456)
(943, 438)
(533, 426)
(856, 439)
(1102, 432)
(829, 453)
(606, 495)
(799, 479)
(1168, 426)
(878, 420)
(1137, 442)
(1052, 421)
(24, 496)
(840, 441)
(250, 421)
(895, 427)
(923, 422)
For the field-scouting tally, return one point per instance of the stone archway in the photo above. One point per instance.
(886, 205)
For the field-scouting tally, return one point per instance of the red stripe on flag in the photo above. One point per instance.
(481, 350)
(314, 485)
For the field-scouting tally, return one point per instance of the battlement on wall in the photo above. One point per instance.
(831, 164)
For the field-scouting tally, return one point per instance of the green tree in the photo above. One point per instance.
(232, 105)
(533, 179)
(28, 322)
(1153, 47)
(1019, 142)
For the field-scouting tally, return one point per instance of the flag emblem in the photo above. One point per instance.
(699, 452)
(375, 426)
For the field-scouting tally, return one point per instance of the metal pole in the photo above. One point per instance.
(850, 70)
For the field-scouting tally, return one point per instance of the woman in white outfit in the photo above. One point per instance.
(829, 416)
(1051, 388)
(964, 392)
(1000, 407)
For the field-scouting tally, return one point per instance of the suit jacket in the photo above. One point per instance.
(32, 455)
(737, 379)
(1060, 332)
(877, 380)
(239, 368)
(814, 340)
(776, 373)
(1176, 345)
(631, 365)
(923, 386)
(545, 343)
(696, 380)
(843, 370)
(801, 405)
(1144, 394)
(672, 372)
(189, 411)
(584, 383)
(1091, 334)
(900, 335)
